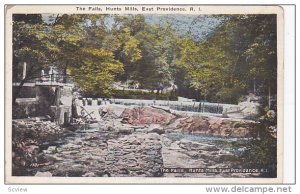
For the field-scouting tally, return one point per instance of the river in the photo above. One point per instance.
(86, 152)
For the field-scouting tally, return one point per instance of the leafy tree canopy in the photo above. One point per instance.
(219, 64)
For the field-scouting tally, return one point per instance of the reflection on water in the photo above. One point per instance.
(204, 137)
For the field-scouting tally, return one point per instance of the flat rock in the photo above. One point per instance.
(155, 128)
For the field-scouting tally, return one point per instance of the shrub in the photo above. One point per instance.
(229, 95)
(135, 94)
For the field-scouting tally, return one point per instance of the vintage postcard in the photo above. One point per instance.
(143, 94)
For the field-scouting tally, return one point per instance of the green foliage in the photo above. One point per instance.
(241, 49)
(228, 95)
(131, 94)
(262, 154)
(154, 47)
(142, 95)
(262, 149)
(29, 44)
(86, 49)
(157, 45)
(128, 51)
(98, 72)
(98, 50)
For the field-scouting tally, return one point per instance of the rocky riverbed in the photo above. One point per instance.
(131, 141)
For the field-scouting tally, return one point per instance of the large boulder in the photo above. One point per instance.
(226, 127)
(146, 115)
(194, 124)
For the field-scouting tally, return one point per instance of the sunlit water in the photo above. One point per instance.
(233, 145)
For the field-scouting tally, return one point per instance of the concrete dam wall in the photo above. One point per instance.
(204, 107)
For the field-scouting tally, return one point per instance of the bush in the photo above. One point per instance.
(262, 154)
(262, 150)
(134, 94)
(229, 95)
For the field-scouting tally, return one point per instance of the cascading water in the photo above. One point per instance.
(204, 107)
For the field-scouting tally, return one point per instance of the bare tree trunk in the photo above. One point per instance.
(18, 90)
(269, 97)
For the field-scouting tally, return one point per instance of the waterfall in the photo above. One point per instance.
(205, 107)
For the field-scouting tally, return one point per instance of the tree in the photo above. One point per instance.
(30, 47)
(86, 47)
(158, 50)
(224, 64)
(96, 50)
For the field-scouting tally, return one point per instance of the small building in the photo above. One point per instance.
(47, 95)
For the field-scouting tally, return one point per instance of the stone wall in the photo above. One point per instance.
(53, 101)
(62, 114)
(45, 96)
(62, 109)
